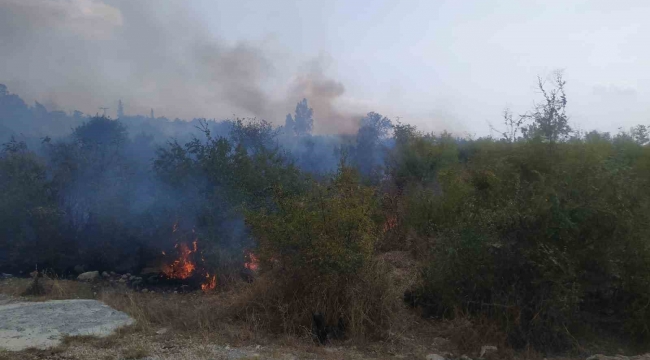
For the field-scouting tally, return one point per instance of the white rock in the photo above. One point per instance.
(605, 357)
(435, 357)
(487, 349)
(43, 324)
(162, 331)
(438, 341)
(88, 276)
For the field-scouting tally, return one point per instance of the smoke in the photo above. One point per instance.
(86, 54)
(323, 93)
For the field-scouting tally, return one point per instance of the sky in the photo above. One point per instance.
(440, 65)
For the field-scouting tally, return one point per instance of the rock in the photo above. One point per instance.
(122, 280)
(435, 357)
(132, 278)
(487, 349)
(605, 357)
(88, 276)
(113, 273)
(145, 290)
(125, 276)
(162, 331)
(438, 341)
(106, 275)
(465, 357)
(43, 324)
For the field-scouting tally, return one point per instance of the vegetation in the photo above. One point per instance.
(542, 232)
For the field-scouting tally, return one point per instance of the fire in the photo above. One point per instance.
(390, 223)
(253, 263)
(210, 282)
(184, 266)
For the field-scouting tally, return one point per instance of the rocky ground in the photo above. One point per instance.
(156, 322)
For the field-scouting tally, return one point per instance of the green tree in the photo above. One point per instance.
(303, 122)
(549, 119)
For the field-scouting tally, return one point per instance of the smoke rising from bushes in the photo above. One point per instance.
(86, 54)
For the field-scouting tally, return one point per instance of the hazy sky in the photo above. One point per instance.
(437, 64)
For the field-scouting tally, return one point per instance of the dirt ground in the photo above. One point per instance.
(184, 326)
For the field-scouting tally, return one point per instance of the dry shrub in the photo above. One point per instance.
(135, 352)
(36, 288)
(469, 334)
(367, 303)
(195, 312)
(52, 287)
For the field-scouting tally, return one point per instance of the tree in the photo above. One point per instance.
(640, 134)
(120, 109)
(374, 128)
(549, 119)
(302, 123)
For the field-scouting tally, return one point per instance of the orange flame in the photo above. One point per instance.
(210, 282)
(390, 223)
(183, 267)
(254, 262)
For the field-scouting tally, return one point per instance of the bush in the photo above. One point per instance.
(316, 253)
(544, 238)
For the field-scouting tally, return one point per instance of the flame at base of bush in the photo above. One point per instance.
(185, 267)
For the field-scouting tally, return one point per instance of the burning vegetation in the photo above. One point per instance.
(535, 232)
(188, 263)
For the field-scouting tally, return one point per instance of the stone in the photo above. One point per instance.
(465, 357)
(145, 290)
(43, 325)
(435, 357)
(605, 357)
(487, 349)
(125, 276)
(122, 280)
(438, 341)
(88, 276)
(162, 331)
(106, 275)
(132, 278)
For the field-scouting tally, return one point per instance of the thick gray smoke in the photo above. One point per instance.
(86, 54)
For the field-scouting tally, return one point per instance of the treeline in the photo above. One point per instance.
(543, 231)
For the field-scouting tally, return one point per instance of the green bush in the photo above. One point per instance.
(318, 248)
(545, 238)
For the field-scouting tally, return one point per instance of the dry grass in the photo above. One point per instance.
(368, 303)
(268, 313)
(53, 289)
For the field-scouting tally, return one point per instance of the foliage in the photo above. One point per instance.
(318, 247)
(302, 122)
(540, 241)
(368, 153)
(549, 119)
